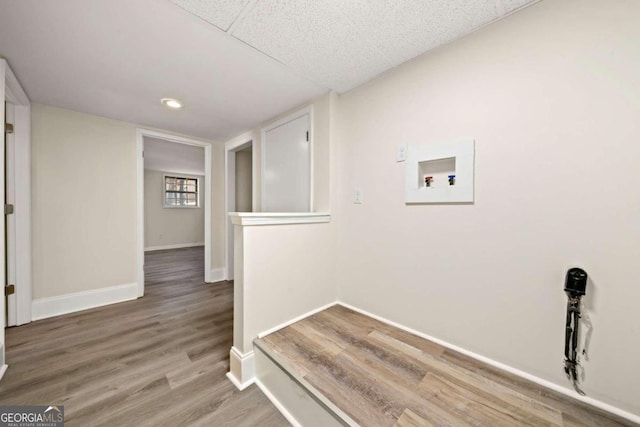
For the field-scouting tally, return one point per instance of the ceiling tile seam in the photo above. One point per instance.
(369, 43)
(198, 16)
(241, 16)
(505, 14)
(233, 26)
(293, 70)
(519, 8)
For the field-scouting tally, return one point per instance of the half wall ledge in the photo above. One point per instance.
(276, 218)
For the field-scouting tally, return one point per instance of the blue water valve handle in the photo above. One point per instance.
(452, 179)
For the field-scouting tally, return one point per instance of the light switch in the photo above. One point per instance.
(401, 152)
(357, 196)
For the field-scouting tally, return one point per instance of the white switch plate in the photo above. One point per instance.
(357, 196)
(401, 152)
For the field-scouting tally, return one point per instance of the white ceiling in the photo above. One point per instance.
(169, 156)
(118, 58)
(342, 44)
(235, 63)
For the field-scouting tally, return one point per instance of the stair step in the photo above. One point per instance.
(340, 367)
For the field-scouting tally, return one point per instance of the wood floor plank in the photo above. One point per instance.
(331, 346)
(395, 392)
(411, 419)
(158, 360)
(525, 407)
(478, 406)
(584, 414)
(380, 375)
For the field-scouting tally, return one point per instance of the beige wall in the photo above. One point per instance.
(552, 99)
(85, 237)
(288, 272)
(83, 201)
(170, 226)
(244, 176)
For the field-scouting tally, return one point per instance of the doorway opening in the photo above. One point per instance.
(174, 197)
(15, 181)
(240, 179)
(17, 200)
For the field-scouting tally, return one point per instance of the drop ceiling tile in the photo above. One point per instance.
(344, 44)
(320, 39)
(227, 87)
(413, 27)
(403, 30)
(220, 13)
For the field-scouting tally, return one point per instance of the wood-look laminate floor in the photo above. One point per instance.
(379, 375)
(156, 361)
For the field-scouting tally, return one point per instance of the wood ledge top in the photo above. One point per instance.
(278, 218)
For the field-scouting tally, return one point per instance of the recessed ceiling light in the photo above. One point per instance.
(171, 103)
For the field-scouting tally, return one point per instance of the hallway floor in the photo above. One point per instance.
(159, 360)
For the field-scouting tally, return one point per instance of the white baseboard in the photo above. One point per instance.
(236, 382)
(242, 368)
(218, 275)
(296, 319)
(177, 246)
(63, 304)
(3, 369)
(279, 406)
(548, 384)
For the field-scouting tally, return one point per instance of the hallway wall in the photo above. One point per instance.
(84, 202)
(552, 98)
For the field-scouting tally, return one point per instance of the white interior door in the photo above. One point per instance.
(287, 167)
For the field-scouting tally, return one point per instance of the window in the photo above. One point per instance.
(181, 192)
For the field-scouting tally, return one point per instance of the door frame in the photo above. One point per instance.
(21, 179)
(230, 151)
(141, 133)
(308, 111)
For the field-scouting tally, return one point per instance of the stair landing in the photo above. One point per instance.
(365, 372)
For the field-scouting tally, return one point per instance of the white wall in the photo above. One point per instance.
(218, 213)
(83, 202)
(286, 279)
(170, 226)
(244, 177)
(552, 97)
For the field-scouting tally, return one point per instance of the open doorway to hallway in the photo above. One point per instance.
(174, 193)
(240, 191)
(174, 190)
(173, 197)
